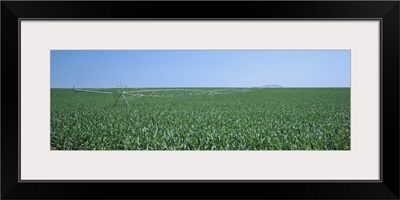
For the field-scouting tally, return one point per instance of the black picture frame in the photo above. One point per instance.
(386, 11)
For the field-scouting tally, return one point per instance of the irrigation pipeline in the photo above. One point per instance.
(92, 91)
(137, 93)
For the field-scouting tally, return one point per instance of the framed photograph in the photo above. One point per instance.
(200, 100)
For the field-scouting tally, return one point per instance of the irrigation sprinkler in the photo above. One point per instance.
(119, 93)
(123, 94)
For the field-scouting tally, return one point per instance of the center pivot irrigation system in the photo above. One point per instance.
(123, 94)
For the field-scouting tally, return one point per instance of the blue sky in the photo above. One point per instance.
(199, 68)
